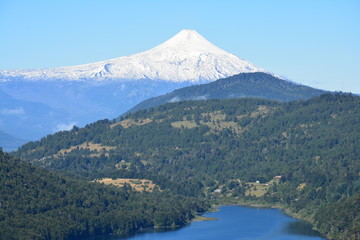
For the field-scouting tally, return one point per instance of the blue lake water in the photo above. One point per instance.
(236, 223)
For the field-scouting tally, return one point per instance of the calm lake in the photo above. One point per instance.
(234, 222)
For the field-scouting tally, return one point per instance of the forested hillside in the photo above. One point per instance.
(303, 155)
(38, 204)
(255, 85)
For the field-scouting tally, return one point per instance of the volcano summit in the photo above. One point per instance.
(46, 100)
(186, 57)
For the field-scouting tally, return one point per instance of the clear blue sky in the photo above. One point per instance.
(313, 42)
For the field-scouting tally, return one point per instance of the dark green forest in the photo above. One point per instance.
(193, 148)
(38, 204)
(243, 85)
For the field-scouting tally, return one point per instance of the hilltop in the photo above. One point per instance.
(255, 85)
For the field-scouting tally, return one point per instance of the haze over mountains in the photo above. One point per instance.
(37, 102)
(9, 142)
(79, 95)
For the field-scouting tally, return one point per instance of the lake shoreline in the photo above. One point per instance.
(283, 209)
(219, 209)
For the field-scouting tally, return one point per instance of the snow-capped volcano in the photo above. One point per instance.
(186, 57)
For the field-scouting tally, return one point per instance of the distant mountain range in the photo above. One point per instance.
(78, 95)
(10, 143)
(26, 119)
(256, 85)
(38, 102)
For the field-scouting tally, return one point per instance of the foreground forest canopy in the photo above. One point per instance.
(304, 155)
(37, 204)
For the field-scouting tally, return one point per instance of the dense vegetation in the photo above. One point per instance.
(38, 204)
(195, 148)
(257, 85)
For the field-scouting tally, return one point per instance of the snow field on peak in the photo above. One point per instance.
(186, 57)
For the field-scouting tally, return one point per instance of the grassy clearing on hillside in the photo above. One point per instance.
(218, 121)
(257, 189)
(262, 110)
(139, 185)
(185, 124)
(131, 122)
(86, 145)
